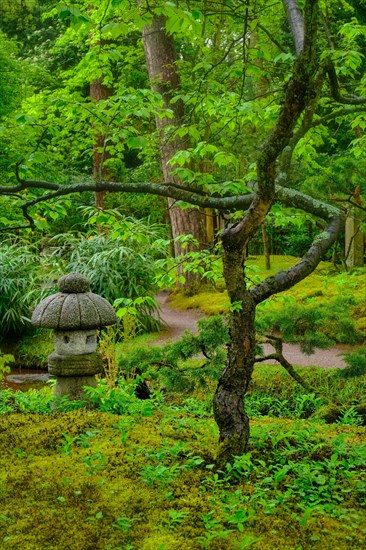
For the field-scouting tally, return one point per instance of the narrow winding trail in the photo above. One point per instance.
(177, 321)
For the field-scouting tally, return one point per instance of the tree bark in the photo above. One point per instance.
(161, 60)
(266, 246)
(228, 401)
(98, 92)
(354, 240)
(296, 22)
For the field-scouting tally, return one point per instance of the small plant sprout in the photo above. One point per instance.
(124, 524)
(67, 444)
(175, 518)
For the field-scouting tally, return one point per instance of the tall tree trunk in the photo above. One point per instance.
(161, 63)
(98, 92)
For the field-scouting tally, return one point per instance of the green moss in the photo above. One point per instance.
(324, 283)
(72, 481)
(329, 413)
(210, 302)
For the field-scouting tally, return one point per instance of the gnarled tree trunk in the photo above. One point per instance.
(229, 398)
(229, 408)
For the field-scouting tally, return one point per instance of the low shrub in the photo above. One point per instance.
(312, 324)
(356, 364)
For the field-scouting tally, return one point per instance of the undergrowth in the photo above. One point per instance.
(145, 478)
(136, 474)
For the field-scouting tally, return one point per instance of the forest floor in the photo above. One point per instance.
(178, 320)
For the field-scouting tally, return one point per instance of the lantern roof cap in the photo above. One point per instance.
(74, 308)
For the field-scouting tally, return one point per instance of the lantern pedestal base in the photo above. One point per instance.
(73, 372)
(73, 387)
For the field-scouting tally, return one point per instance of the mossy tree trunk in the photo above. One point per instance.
(233, 384)
(229, 409)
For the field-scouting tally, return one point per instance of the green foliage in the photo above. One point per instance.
(312, 324)
(33, 349)
(350, 417)
(356, 364)
(122, 399)
(205, 263)
(5, 359)
(339, 175)
(270, 394)
(137, 205)
(298, 406)
(173, 364)
(35, 401)
(19, 285)
(119, 260)
(10, 83)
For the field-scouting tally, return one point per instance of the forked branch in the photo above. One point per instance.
(278, 356)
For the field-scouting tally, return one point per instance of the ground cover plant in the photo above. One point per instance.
(141, 474)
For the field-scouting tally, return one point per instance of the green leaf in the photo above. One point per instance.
(72, 13)
(253, 70)
(136, 142)
(115, 29)
(41, 224)
(23, 119)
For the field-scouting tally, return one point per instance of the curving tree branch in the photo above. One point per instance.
(278, 356)
(348, 99)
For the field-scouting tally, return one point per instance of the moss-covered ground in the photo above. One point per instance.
(325, 287)
(145, 478)
(141, 475)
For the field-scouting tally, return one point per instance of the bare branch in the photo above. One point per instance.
(272, 38)
(286, 196)
(279, 357)
(180, 193)
(27, 216)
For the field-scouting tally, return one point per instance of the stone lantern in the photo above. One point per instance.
(74, 314)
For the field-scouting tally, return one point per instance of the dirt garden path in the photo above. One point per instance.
(177, 321)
